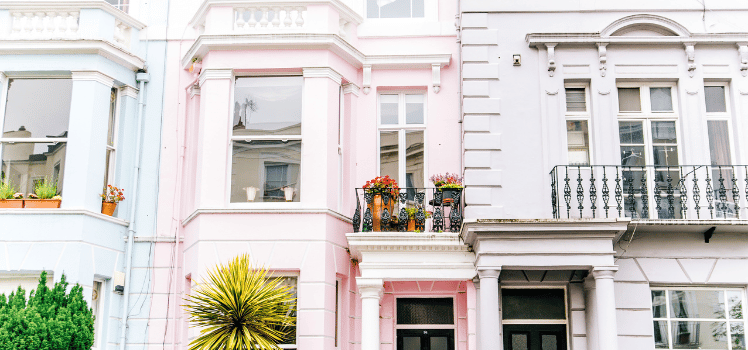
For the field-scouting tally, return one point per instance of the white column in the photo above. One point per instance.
(476, 283)
(606, 307)
(591, 312)
(370, 290)
(490, 325)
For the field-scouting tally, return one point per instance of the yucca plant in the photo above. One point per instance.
(240, 307)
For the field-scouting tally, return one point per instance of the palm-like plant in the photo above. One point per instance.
(240, 307)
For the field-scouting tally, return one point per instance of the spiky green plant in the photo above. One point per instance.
(7, 190)
(46, 189)
(240, 307)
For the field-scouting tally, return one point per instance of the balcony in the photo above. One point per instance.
(409, 209)
(650, 192)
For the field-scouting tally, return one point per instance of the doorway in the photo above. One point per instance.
(425, 339)
(535, 337)
(534, 318)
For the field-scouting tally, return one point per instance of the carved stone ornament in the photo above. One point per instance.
(551, 58)
(743, 53)
(602, 53)
(691, 56)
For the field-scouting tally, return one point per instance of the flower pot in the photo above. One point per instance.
(251, 193)
(377, 208)
(107, 208)
(447, 194)
(41, 203)
(11, 203)
(411, 225)
(288, 193)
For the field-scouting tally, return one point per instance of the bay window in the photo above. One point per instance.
(266, 139)
(402, 123)
(35, 131)
(395, 8)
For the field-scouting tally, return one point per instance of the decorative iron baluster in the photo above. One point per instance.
(722, 192)
(697, 194)
(580, 192)
(554, 196)
(368, 217)
(438, 221)
(384, 221)
(567, 193)
(402, 218)
(670, 196)
(593, 192)
(357, 215)
(645, 196)
(420, 216)
(455, 217)
(709, 194)
(606, 193)
(658, 197)
(619, 193)
(630, 194)
(683, 194)
(735, 193)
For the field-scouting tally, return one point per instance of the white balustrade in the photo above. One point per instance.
(44, 25)
(122, 34)
(249, 19)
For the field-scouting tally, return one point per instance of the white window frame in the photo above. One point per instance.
(645, 100)
(401, 127)
(727, 320)
(721, 116)
(122, 5)
(111, 172)
(580, 116)
(286, 274)
(261, 169)
(101, 302)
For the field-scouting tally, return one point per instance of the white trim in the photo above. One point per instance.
(87, 46)
(44, 6)
(266, 210)
(402, 128)
(343, 10)
(60, 211)
(324, 72)
(129, 91)
(351, 88)
(215, 73)
(93, 76)
(645, 20)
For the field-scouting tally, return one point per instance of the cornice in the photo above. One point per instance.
(34, 6)
(215, 73)
(473, 230)
(351, 88)
(332, 213)
(324, 72)
(344, 11)
(93, 76)
(407, 61)
(129, 91)
(76, 47)
(541, 39)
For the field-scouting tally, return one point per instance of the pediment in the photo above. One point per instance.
(643, 26)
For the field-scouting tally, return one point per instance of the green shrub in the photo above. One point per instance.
(46, 189)
(51, 319)
(7, 190)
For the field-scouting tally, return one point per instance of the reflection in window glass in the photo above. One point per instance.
(631, 132)
(425, 311)
(265, 171)
(395, 8)
(719, 142)
(661, 99)
(388, 108)
(414, 158)
(578, 142)
(715, 99)
(414, 105)
(290, 339)
(520, 341)
(388, 154)
(549, 342)
(629, 100)
(267, 106)
(533, 304)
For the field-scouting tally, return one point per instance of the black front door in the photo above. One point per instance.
(425, 339)
(534, 337)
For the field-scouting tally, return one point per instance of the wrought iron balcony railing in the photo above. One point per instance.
(650, 192)
(409, 209)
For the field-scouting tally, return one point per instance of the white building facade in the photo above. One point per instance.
(604, 199)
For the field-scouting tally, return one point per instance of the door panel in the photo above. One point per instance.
(425, 339)
(535, 337)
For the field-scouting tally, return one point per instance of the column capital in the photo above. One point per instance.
(214, 73)
(601, 272)
(351, 88)
(370, 288)
(492, 272)
(93, 76)
(128, 91)
(589, 283)
(476, 282)
(323, 72)
(194, 90)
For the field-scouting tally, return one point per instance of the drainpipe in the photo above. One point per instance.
(141, 78)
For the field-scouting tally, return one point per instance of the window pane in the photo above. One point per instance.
(411, 343)
(394, 9)
(25, 164)
(549, 342)
(735, 304)
(737, 330)
(663, 132)
(536, 304)
(575, 100)
(267, 106)
(520, 341)
(414, 158)
(265, 171)
(38, 108)
(109, 165)
(388, 108)
(715, 99)
(290, 339)
(578, 141)
(372, 9)
(414, 106)
(425, 311)
(719, 142)
(631, 132)
(658, 304)
(661, 99)
(660, 335)
(697, 304)
(418, 11)
(439, 343)
(632, 155)
(112, 115)
(629, 100)
(698, 335)
(388, 154)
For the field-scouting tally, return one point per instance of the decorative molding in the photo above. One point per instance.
(367, 78)
(692, 92)
(436, 77)
(46, 6)
(266, 210)
(645, 20)
(407, 61)
(489, 272)
(93, 76)
(215, 73)
(537, 40)
(551, 47)
(743, 53)
(602, 53)
(34, 214)
(88, 46)
(604, 272)
(128, 91)
(551, 92)
(691, 56)
(351, 88)
(324, 72)
(194, 90)
(603, 92)
(370, 288)
(743, 92)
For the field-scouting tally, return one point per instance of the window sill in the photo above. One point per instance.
(404, 27)
(264, 208)
(58, 211)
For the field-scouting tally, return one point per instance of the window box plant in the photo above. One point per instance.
(447, 184)
(44, 196)
(109, 199)
(376, 187)
(412, 218)
(9, 198)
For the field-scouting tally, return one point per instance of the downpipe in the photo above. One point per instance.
(141, 78)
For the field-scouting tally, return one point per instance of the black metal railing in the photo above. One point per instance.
(408, 209)
(650, 192)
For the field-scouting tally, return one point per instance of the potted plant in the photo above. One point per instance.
(44, 196)
(9, 198)
(288, 193)
(447, 184)
(111, 196)
(251, 193)
(412, 218)
(376, 187)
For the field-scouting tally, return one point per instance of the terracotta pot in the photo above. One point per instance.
(107, 208)
(411, 225)
(11, 203)
(41, 203)
(377, 208)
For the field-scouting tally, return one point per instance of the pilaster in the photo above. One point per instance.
(490, 313)
(370, 290)
(606, 307)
